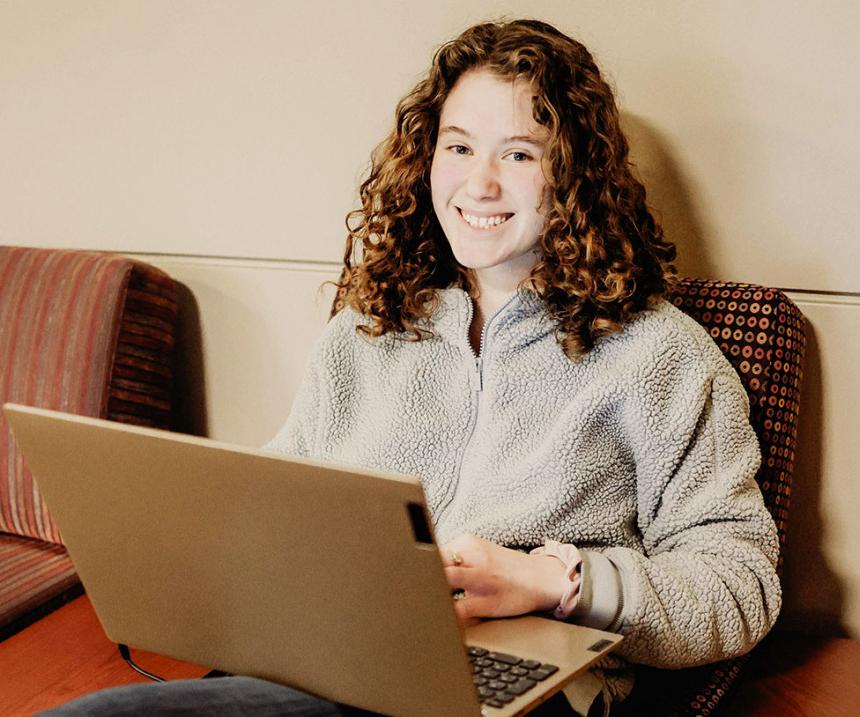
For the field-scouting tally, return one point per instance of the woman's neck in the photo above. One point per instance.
(489, 299)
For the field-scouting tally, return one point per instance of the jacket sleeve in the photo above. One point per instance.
(297, 437)
(706, 587)
(327, 376)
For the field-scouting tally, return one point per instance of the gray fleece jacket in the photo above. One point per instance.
(640, 453)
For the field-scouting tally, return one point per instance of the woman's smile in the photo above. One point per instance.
(483, 222)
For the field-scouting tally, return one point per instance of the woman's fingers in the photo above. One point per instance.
(471, 605)
(487, 579)
(451, 558)
(457, 576)
(490, 580)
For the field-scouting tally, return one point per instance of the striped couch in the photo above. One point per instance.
(84, 332)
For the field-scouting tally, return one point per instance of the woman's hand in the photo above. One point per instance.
(500, 582)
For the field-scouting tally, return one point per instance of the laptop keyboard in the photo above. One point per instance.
(501, 678)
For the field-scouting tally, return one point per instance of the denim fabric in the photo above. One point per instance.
(225, 697)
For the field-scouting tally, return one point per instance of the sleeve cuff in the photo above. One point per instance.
(601, 599)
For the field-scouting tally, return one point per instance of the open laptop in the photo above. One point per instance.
(322, 577)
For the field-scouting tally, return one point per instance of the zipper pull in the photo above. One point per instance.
(477, 376)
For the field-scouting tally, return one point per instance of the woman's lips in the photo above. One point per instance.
(484, 222)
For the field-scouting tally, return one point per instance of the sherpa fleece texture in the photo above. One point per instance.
(641, 451)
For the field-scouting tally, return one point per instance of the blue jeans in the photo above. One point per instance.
(222, 696)
(225, 697)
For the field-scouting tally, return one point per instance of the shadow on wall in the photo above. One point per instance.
(670, 196)
(190, 415)
(813, 597)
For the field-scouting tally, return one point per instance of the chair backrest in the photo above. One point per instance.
(84, 332)
(761, 332)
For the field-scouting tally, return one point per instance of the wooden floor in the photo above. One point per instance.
(66, 654)
(796, 675)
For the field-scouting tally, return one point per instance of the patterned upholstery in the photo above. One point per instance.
(761, 332)
(37, 577)
(84, 332)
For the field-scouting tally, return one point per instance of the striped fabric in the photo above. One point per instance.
(33, 575)
(84, 332)
(141, 389)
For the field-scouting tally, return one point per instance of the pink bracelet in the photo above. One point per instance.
(569, 555)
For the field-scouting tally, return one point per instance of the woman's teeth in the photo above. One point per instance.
(485, 222)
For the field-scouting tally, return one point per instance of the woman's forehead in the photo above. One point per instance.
(482, 101)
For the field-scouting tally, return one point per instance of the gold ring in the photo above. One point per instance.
(456, 558)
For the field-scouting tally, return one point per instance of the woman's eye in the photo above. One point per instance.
(459, 149)
(519, 156)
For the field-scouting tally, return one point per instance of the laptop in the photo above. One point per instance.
(322, 577)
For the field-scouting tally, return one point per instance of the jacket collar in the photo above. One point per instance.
(519, 322)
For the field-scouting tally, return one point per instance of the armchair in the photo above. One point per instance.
(84, 332)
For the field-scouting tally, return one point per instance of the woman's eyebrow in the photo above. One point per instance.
(530, 139)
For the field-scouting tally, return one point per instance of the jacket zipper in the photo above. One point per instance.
(476, 382)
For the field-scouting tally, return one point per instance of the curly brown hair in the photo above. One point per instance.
(603, 257)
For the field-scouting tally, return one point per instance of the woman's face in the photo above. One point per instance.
(486, 178)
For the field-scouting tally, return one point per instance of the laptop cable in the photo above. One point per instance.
(125, 652)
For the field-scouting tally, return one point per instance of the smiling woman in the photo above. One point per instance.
(501, 333)
(498, 97)
(488, 185)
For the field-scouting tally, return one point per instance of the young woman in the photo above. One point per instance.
(501, 333)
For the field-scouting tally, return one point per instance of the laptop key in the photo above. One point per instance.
(524, 684)
(542, 672)
(500, 677)
(508, 659)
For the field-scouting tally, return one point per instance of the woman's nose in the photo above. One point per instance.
(483, 181)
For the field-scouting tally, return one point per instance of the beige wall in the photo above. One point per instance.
(238, 128)
(223, 140)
